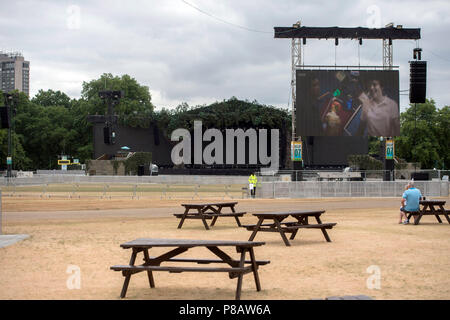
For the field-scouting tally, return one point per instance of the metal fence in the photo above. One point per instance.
(271, 190)
(109, 190)
(38, 179)
(363, 175)
(318, 184)
(325, 189)
(131, 187)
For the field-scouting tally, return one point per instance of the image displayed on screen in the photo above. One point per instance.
(347, 103)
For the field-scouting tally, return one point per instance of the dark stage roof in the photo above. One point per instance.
(347, 33)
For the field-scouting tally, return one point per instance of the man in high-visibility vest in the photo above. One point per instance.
(252, 180)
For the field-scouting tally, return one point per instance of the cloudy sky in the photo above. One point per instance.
(201, 51)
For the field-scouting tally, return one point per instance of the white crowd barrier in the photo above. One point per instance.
(330, 189)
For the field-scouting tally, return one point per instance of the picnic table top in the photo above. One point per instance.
(430, 201)
(155, 242)
(289, 213)
(209, 204)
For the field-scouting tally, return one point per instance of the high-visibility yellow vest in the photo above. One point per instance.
(252, 179)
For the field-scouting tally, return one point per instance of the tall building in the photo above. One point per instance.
(14, 72)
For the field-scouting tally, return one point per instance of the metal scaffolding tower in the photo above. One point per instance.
(388, 55)
(296, 61)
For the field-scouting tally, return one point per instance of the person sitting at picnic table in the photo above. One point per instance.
(410, 201)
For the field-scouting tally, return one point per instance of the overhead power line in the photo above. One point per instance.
(224, 21)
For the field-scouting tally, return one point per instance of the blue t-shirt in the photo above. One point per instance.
(412, 197)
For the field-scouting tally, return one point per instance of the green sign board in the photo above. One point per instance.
(8, 160)
(296, 150)
(390, 149)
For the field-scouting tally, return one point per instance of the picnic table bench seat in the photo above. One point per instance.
(427, 213)
(234, 271)
(171, 269)
(291, 225)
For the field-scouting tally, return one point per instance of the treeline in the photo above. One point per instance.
(231, 113)
(51, 123)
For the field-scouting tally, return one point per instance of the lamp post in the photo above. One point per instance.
(9, 98)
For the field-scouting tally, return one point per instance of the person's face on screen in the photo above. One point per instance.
(376, 90)
(315, 87)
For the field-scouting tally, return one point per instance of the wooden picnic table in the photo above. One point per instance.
(235, 268)
(278, 224)
(206, 211)
(430, 208)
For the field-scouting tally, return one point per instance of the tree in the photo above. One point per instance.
(51, 98)
(420, 136)
(443, 129)
(137, 98)
(47, 131)
(374, 145)
(20, 160)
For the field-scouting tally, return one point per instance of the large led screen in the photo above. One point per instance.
(347, 103)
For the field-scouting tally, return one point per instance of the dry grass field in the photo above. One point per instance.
(413, 260)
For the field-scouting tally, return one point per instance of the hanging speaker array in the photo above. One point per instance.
(418, 81)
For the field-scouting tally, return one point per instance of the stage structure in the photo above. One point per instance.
(342, 142)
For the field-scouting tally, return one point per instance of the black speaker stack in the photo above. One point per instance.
(418, 81)
(107, 135)
(156, 135)
(4, 118)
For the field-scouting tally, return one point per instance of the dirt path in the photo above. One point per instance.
(20, 210)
